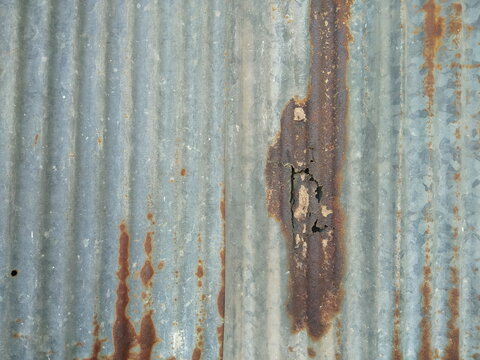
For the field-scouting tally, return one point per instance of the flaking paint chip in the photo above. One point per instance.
(299, 114)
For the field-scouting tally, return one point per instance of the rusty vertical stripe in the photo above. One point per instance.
(303, 175)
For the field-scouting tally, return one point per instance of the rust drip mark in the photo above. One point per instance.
(222, 208)
(338, 335)
(434, 28)
(303, 174)
(311, 352)
(221, 305)
(123, 330)
(35, 139)
(396, 350)
(425, 352)
(97, 342)
(452, 351)
(147, 338)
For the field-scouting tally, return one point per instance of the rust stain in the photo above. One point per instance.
(434, 28)
(452, 351)
(146, 273)
(425, 352)
(97, 343)
(99, 140)
(221, 294)
(290, 349)
(172, 358)
(221, 305)
(457, 177)
(197, 354)
(161, 265)
(222, 208)
(183, 172)
(35, 139)
(123, 330)
(455, 24)
(147, 338)
(199, 272)
(303, 175)
(311, 352)
(151, 218)
(396, 351)
(148, 243)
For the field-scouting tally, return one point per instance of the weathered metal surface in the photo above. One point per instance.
(135, 206)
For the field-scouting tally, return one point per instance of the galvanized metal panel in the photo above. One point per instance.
(137, 133)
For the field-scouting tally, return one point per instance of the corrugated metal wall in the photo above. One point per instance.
(134, 138)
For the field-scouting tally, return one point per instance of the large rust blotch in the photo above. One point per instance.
(303, 174)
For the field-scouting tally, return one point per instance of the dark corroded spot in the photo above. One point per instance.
(311, 352)
(396, 351)
(147, 272)
(303, 174)
(183, 172)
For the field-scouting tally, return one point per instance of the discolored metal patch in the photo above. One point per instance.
(303, 174)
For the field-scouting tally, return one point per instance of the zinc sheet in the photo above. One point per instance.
(135, 145)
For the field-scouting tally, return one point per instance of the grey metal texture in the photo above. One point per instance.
(137, 133)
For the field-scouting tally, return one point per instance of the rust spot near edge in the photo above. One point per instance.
(97, 343)
(199, 272)
(35, 139)
(311, 352)
(303, 175)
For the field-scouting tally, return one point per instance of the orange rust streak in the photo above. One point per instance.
(221, 294)
(123, 330)
(35, 139)
(434, 28)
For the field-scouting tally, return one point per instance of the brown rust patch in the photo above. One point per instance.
(222, 208)
(425, 352)
(146, 273)
(311, 352)
(197, 354)
(303, 175)
(35, 139)
(199, 272)
(147, 337)
(99, 140)
(396, 350)
(290, 349)
(455, 24)
(452, 351)
(183, 172)
(434, 28)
